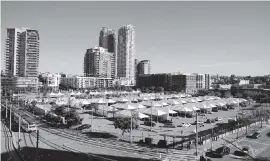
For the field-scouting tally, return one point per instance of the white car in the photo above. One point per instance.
(218, 119)
(185, 125)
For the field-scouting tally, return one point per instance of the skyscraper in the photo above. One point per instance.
(126, 53)
(22, 52)
(144, 67)
(12, 51)
(108, 40)
(98, 63)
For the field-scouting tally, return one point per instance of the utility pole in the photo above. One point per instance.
(6, 109)
(237, 129)
(10, 119)
(37, 145)
(196, 134)
(19, 138)
(212, 140)
(131, 127)
(151, 115)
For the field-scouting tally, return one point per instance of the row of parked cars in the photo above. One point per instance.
(169, 124)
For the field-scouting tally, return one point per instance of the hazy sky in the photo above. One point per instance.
(202, 37)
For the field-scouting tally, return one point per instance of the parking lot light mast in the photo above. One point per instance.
(196, 134)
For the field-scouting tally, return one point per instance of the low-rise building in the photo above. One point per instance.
(79, 82)
(170, 82)
(51, 79)
(20, 82)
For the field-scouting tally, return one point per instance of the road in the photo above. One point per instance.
(258, 147)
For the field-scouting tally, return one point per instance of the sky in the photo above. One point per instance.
(193, 37)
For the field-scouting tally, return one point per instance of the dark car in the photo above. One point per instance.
(213, 154)
(210, 121)
(240, 153)
(169, 126)
(268, 134)
(224, 150)
(166, 121)
(148, 123)
(255, 135)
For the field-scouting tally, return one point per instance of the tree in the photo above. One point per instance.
(211, 93)
(217, 93)
(72, 117)
(239, 95)
(227, 94)
(125, 123)
(60, 110)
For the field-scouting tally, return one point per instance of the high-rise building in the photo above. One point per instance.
(98, 63)
(22, 52)
(207, 81)
(108, 40)
(126, 53)
(200, 81)
(144, 67)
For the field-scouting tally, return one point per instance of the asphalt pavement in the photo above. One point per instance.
(257, 147)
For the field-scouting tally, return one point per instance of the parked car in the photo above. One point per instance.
(242, 113)
(268, 134)
(210, 121)
(184, 125)
(199, 122)
(202, 114)
(166, 121)
(218, 119)
(169, 126)
(255, 135)
(224, 150)
(213, 154)
(148, 123)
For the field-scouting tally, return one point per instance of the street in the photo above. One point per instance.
(257, 147)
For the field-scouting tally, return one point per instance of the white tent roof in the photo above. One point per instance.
(153, 111)
(175, 96)
(125, 106)
(167, 110)
(204, 105)
(191, 100)
(183, 101)
(153, 104)
(173, 102)
(122, 100)
(101, 101)
(192, 106)
(85, 102)
(111, 101)
(182, 96)
(144, 99)
(180, 109)
(163, 103)
(138, 105)
(141, 115)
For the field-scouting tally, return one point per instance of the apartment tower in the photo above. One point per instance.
(126, 54)
(22, 52)
(108, 40)
(98, 63)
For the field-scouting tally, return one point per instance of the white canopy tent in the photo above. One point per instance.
(122, 100)
(125, 106)
(173, 102)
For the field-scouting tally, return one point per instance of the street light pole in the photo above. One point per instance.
(131, 127)
(10, 119)
(196, 134)
(6, 109)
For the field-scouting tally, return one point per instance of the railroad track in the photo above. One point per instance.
(134, 149)
(9, 143)
(105, 143)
